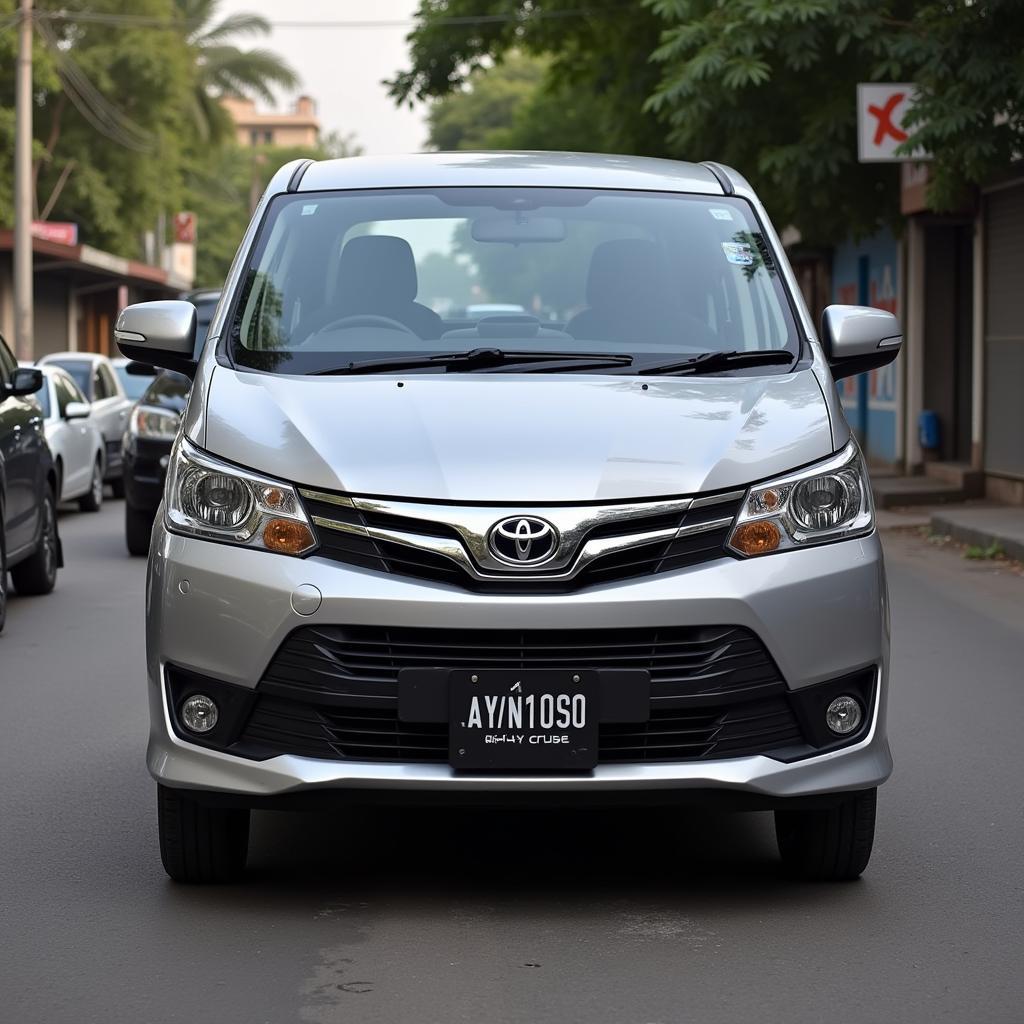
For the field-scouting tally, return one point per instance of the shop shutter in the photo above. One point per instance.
(1004, 332)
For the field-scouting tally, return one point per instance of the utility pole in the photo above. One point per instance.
(23, 325)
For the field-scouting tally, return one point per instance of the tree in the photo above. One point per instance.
(224, 69)
(766, 85)
(109, 143)
(218, 190)
(519, 103)
(597, 69)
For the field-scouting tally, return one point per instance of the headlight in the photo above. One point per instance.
(826, 502)
(154, 424)
(217, 501)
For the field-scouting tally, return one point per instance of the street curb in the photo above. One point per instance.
(977, 535)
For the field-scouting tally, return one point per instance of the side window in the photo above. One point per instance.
(99, 385)
(108, 380)
(8, 364)
(66, 392)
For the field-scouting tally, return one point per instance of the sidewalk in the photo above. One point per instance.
(983, 525)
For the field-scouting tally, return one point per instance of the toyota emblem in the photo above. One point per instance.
(523, 540)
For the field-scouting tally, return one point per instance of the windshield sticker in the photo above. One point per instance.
(309, 209)
(739, 254)
(720, 214)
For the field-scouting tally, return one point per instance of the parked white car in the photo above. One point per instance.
(99, 383)
(74, 438)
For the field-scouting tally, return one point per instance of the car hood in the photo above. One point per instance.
(516, 439)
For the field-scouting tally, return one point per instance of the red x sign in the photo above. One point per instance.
(881, 109)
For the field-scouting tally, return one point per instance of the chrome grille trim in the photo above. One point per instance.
(473, 523)
(591, 549)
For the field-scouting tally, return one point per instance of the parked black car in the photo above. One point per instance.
(147, 448)
(29, 544)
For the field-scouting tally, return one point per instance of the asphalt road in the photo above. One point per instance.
(385, 916)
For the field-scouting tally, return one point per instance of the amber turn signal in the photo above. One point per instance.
(287, 536)
(757, 538)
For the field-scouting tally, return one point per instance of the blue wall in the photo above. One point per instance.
(866, 273)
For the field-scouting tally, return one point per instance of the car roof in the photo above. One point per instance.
(552, 170)
(89, 357)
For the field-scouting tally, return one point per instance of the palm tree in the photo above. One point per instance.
(226, 70)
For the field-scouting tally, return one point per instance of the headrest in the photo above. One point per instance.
(376, 271)
(626, 272)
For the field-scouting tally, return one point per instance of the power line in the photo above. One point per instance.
(91, 103)
(142, 20)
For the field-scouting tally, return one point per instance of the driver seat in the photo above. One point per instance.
(377, 277)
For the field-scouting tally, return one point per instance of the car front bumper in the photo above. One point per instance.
(223, 612)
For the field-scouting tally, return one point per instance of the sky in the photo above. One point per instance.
(342, 67)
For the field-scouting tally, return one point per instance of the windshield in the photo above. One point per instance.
(134, 384)
(346, 276)
(80, 371)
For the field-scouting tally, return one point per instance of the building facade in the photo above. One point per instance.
(297, 128)
(78, 291)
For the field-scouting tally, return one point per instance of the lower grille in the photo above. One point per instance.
(332, 691)
(751, 727)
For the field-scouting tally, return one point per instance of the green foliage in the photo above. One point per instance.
(765, 85)
(137, 81)
(596, 68)
(991, 552)
(124, 115)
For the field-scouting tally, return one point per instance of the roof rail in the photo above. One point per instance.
(721, 173)
(296, 179)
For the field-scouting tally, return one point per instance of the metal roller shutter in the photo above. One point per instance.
(1004, 332)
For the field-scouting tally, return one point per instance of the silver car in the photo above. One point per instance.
(99, 382)
(618, 544)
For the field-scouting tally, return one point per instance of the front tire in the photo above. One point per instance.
(138, 528)
(38, 573)
(92, 500)
(200, 844)
(828, 845)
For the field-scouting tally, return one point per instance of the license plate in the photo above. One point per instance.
(522, 722)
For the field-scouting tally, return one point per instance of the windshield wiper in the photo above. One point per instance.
(714, 362)
(476, 359)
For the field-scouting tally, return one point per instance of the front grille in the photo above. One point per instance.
(405, 560)
(332, 691)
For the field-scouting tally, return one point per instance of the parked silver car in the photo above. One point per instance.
(99, 382)
(622, 547)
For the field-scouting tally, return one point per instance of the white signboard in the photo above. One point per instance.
(881, 109)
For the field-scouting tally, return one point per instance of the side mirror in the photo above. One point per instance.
(159, 334)
(24, 381)
(859, 338)
(76, 410)
(137, 369)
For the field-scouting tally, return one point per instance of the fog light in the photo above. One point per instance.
(843, 715)
(199, 713)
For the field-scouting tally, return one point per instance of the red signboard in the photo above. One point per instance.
(55, 231)
(185, 228)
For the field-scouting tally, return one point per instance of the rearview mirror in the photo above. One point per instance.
(859, 338)
(76, 410)
(518, 227)
(159, 333)
(24, 381)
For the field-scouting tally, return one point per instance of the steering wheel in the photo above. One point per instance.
(366, 320)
